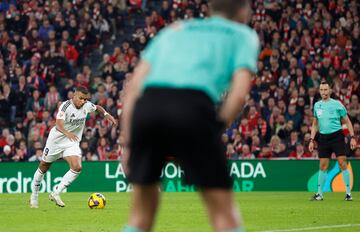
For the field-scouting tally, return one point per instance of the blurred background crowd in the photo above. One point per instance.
(48, 47)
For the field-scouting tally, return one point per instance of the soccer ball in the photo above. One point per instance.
(96, 201)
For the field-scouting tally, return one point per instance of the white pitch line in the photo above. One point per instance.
(314, 228)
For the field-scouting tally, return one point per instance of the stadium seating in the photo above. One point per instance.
(47, 49)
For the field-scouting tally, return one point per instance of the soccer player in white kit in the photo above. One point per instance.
(63, 142)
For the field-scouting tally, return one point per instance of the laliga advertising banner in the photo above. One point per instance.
(252, 175)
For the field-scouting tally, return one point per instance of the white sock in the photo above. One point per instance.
(67, 179)
(35, 184)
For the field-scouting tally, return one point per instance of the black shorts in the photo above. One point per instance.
(329, 143)
(181, 123)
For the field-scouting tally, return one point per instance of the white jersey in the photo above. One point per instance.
(74, 122)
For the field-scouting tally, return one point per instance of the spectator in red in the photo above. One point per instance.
(253, 117)
(237, 141)
(246, 153)
(231, 152)
(4, 134)
(255, 145)
(115, 153)
(103, 148)
(244, 128)
(135, 4)
(114, 58)
(51, 99)
(69, 52)
(275, 145)
(299, 152)
(157, 20)
(265, 153)
(130, 56)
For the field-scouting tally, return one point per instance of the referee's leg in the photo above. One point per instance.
(339, 148)
(223, 213)
(144, 204)
(342, 162)
(346, 175)
(324, 164)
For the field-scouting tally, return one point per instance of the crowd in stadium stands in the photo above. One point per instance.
(45, 45)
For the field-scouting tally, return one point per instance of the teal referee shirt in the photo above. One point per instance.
(329, 114)
(201, 54)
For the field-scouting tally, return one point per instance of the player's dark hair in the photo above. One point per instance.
(82, 89)
(228, 7)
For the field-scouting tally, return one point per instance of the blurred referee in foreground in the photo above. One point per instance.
(170, 108)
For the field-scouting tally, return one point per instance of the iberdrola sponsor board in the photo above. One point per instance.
(21, 184)
(253, 175)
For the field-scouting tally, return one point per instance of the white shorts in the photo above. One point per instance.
(53, 152)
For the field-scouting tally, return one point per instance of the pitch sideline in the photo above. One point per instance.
(314, 228)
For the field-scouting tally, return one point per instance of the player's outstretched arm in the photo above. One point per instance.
(314, 129)
(108, 116)
(353, 142)
(235, 100)
(60, 128)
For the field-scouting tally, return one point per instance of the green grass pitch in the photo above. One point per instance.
(179, 212)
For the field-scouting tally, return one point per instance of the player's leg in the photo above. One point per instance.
(145, 201)
(73, 157)
(50, 154)
(69, 177)
(222, 211)
(36, 182)
(39, 176)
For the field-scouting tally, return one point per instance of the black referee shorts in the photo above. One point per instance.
(181, 123)
(329, 143)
